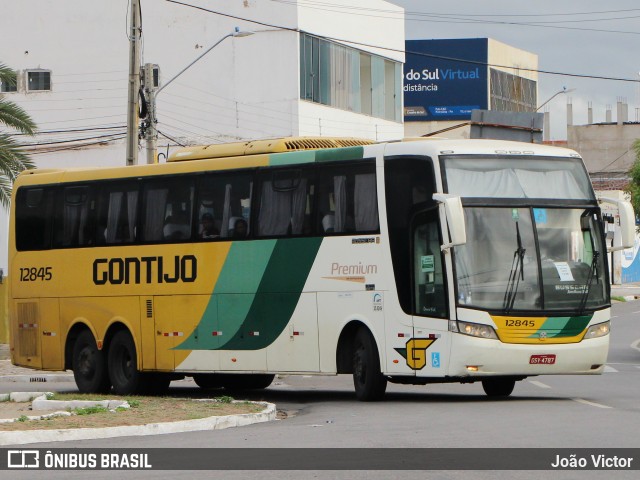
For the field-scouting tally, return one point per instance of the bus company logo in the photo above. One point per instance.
(23, 459)
(415, 352)
(134, 270)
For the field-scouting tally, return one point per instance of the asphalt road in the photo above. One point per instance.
(543, 412)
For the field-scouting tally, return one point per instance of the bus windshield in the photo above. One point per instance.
(500, 268)
(524, 177)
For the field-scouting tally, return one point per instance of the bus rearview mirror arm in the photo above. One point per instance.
(455, 219)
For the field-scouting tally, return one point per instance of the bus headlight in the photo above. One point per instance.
(477, 330)
(599, 330)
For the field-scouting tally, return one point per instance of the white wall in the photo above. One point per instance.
(244, 88)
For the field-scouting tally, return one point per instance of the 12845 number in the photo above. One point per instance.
(33, 274)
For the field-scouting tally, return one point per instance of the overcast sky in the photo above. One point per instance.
(568, 42)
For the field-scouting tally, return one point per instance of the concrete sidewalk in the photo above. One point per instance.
(629, 291)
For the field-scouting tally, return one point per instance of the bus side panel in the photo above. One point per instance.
(398, 332)
(51, 336)
(25, 332)
(336, 310)
(148, 333)
(99, 313)
(296, 349)
(432, 342)
(177, 318)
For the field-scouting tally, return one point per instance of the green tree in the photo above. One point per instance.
(13, 159)
(633, 188)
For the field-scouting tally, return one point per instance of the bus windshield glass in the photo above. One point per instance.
(524, 177)
(500, 268)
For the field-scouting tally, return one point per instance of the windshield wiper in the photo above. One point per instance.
(587, 286)
(516, 274)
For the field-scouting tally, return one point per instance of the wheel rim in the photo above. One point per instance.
(124, 363)
(86, 362)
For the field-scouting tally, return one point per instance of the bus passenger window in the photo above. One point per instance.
(167, 210)
(34, 218)
(348, 200)
(223, 198)
(74, 217)
(117, 214)
(286, 203)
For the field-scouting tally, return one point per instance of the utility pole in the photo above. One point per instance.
(150, 132)
(134, 84)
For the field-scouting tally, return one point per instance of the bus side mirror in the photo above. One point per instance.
(627, 223)
(455, 219)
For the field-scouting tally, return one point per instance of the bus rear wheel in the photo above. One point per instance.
(89, 365)
(368, 381)
(122, 361)
(498, 387)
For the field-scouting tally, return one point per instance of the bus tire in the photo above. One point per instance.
(123, 370)
(89, 365)
(251, 381)
(368, 381)
(498, 387)
(208, 381)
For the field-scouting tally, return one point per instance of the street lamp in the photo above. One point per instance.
(151, 133)
(564, 90)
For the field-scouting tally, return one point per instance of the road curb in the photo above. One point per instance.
(209, 423)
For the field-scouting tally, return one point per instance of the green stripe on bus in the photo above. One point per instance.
(563, 326)
(258, 290)
(292, 158)
(278, 294)
(339, 154)
(233, 294)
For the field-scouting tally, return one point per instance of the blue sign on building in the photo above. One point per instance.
(445, 79)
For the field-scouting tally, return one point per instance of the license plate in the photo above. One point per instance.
(542, 360)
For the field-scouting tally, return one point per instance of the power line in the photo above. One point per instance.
(352, 7)
(455, 18)
(296, 30)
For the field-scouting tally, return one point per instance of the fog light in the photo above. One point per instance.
(472, 368)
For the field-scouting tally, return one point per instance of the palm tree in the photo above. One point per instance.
(12, 158)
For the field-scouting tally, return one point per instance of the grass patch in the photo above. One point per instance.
(90, 410)
(618, 298)
(143, 410)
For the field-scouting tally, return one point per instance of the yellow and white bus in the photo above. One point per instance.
(412, 262)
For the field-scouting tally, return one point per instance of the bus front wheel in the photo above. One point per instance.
(368, 381)
(89, 365)
(498, 387)
(122, 361)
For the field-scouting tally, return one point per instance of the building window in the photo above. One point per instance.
(346, 78)
(8, 87)
(38, 80)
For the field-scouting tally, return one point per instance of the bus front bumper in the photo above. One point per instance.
(473, 356)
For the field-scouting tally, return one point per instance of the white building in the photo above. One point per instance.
(73, 58)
